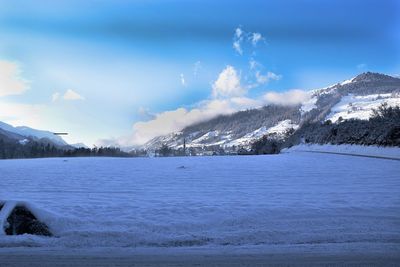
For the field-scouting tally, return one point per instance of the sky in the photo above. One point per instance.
(122, 72)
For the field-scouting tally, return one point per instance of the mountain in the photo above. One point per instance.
(238, 129)
(26, 132)
(351, 99)
(7, 137)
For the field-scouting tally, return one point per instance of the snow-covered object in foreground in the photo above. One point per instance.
(361, 107)
(373, 151)
(303, 200)
(17, 217)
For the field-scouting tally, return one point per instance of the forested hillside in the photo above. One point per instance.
(339, 113)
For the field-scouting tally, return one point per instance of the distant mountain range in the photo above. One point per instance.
(351, 99)
(23, 134)
(25, 142)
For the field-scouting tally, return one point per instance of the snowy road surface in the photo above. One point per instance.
(265, 203)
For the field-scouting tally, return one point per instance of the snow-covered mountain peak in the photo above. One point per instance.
(372, 77)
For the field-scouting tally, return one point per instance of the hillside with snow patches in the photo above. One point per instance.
(23, 134)
(355, 98)
(361, 107)
(238, 129)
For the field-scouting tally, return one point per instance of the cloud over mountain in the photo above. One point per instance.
(228, 84)
(288, 98)
(11, 82)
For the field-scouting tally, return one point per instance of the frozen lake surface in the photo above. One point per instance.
(258, 202)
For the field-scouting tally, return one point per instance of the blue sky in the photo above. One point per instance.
(124, 71)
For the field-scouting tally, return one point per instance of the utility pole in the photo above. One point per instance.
(184, 146)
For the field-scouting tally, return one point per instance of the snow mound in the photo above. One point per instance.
(17, 218)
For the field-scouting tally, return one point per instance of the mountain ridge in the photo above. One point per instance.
(23, 132)
(344, 100)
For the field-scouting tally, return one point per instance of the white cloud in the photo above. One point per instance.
(145, 114)
(175, 120)
(241, 38)
(255, 37)
(290, 98)
(257, 70)
(69, 95)
(253, 64)
(55, 96)
(228, 84)
(237, 47)
(72, 95)
(238, 32)
(245, 103)
(263, 79)
(11, 82)
(197, 66)
(18, 114)
(361, 66)
(237, 40)
(183, 80)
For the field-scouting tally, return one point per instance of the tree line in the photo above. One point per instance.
(382, 129)
(33, 149)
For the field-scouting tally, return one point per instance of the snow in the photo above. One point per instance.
(309, 105)
(316, 93)
(23, 141)
(213, 138)
(282, 127)
(11, 204)
(373, 151)
(360, 107)
(206, 136)
(347, 81)
(279, 129)
(272, 201)
(248, 138)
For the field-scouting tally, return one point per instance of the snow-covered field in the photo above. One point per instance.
(267, 203)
